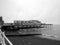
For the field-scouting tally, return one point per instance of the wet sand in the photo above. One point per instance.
(31, 40)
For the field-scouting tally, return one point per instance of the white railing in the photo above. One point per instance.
(3, 38)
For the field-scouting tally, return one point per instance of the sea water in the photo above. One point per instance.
(52, 32)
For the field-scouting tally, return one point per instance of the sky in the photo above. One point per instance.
(46, 11)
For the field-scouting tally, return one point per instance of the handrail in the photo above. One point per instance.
(4, 37)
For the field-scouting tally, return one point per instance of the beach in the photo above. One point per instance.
(31, 40)
(48, 37)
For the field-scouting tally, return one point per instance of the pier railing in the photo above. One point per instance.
(3, 38)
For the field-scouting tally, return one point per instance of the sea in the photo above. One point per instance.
(51, 32)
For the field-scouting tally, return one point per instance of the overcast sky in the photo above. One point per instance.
(46, 11)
